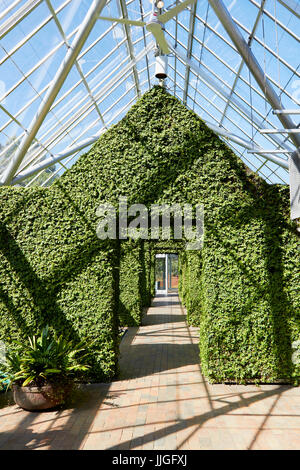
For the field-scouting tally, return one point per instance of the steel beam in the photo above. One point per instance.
(66, 153)
(277, 20)
(292, 6)
(8, 9)
(270, 50)
(189, 49)
(217, 56)
(55, 159)
(91, 140)
(60, 77)
(240, 141)
(286, 111)
(77, 64)
(202, 73)
(271, 151)
(33, 32)
(250, 146)
(216, 87)
(295, 185)
(83, 112)
(18, 16)
(280, 131)
(249, 58)
(45, 88)
(250, 39)
(124, 13)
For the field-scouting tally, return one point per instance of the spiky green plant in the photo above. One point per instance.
(44, 358)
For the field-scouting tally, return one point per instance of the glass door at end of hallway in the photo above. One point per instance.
(166, 273)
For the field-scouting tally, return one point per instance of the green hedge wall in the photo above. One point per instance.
(250, 301)
(131, 283)
(190, 285)
(136, 281)
(246, 299)
(148, 281)
(55, 270)
(182, 271)
(243, 291)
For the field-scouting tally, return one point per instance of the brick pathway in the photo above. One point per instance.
(161, 402)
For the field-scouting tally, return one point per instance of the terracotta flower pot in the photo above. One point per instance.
(40, 398)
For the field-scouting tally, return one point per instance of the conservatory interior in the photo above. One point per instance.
(149, 224)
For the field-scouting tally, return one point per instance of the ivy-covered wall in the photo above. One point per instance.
(132, 287)
(190, 285)
(242, 289)
(54, 270)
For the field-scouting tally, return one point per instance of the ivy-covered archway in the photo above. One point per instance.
(241, 288)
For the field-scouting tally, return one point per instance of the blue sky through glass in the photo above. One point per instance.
(113, 69)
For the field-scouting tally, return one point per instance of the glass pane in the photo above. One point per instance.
(173, 271)
(160, 273)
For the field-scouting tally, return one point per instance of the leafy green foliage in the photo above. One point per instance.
(44, 358)
(54, 270)
(190, 287)
(11, 145)
(242, 291)
(130, 283)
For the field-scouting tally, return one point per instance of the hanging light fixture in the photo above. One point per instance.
(161, 67)
(158, 3)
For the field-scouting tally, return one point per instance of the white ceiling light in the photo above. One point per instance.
(159, 3)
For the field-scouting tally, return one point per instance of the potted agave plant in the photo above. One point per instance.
(42, 371)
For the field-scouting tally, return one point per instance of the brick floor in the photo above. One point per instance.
(161, 401)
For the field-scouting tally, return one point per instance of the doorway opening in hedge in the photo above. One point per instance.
(166, 273)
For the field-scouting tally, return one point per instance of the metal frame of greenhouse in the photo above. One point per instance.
(67, 76)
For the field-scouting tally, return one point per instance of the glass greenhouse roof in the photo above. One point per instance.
(116, 65)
